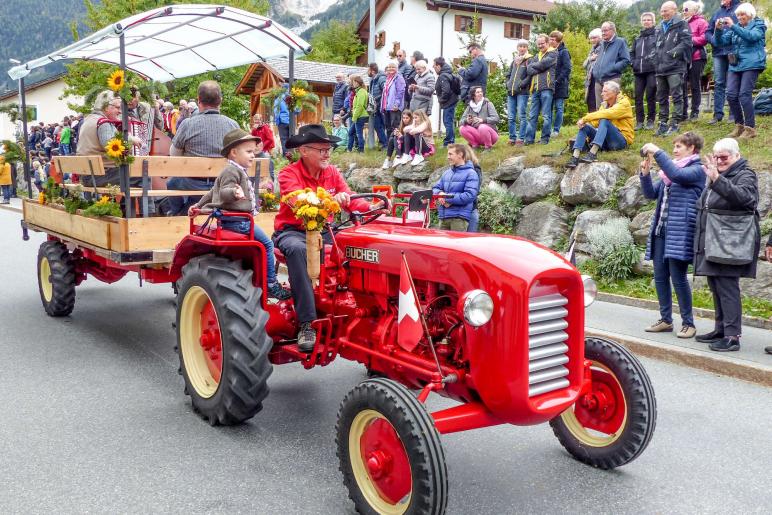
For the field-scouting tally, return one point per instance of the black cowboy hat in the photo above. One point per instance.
(312, 133)
(236, 137)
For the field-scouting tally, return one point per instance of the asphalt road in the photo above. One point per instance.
(94, 420)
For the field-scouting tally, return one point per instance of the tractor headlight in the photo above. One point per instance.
(590, 290)
(478, 308)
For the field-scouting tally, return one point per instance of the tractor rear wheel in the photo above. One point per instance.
(390, 452)
(612, 424)
(56, 278)
(221, 340)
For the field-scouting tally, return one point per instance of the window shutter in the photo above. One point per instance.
(526, 31)
(508, 29)
(458, 23)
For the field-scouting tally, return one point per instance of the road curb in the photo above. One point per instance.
(718, 364)
(10, 208)
(760, 323)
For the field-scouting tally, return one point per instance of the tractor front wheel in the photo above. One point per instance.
(56, 278)
(221, 340)
(612, 423)
(390, 452)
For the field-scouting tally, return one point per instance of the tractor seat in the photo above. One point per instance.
(210, 232)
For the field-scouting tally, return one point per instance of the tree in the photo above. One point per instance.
(84, 76)
(583, 16)
(337, 43)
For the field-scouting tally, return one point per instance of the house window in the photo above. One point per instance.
(380, 39)
(465, 23)
(516, 30)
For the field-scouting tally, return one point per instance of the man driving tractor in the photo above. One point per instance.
(312, 170)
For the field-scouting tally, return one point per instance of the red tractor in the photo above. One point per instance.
(504, 320)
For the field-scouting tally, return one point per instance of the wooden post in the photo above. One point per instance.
(124, 168)
(23, 100)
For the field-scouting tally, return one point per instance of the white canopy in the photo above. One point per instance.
(181, 40)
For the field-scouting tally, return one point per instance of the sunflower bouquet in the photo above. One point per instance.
(117, 149)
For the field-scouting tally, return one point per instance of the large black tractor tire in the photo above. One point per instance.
(221, 340)
(390, 452)
(618, 375)
(56, 278)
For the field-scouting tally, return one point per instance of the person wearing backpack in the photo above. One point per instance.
(447, 87)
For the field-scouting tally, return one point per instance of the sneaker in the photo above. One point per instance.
(573, 162)
(417, 160)
(660, 327)
(726, 344)
(714, 121)
(687, 331)
(306, 337)
(710, 337)
(511, 143)
(589, 157)
(401, 160)
(276, 291)
(555, 135)
(661, 130)
(544, 142)
(519, 143)
(639, 126)
(650, 125)
(672, 130)
(694, 117)
(386, 164)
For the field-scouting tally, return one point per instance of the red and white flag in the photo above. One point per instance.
(409, 327)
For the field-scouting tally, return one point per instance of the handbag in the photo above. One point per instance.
(730, 236)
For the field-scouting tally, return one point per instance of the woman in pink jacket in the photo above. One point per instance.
(692, 13)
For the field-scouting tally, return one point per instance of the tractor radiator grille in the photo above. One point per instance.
(547, 344)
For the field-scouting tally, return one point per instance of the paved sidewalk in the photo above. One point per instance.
(15, 205)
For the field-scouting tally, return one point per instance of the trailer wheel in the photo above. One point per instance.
(221, 340)
(56, 278)
(390, 452)
(612, 424)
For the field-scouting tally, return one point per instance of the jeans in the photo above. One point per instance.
(645, 83)
(284, 134)
(474, 221)
(667, 86)
(6, 192)
(449, 121)
(665, 271)
(693, 83)
(516, 111)
(541, 101)
(242, 226)
(557, 120)
(739, 94)
(720, 69)
(355, 133)
(64, 149)
(606, 136)
(178, 206)
(379, 128)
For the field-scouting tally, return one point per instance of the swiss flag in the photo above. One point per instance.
(409, 327)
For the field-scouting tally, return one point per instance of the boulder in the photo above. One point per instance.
(410, 187)
(630, 197)
(765, 193)
(535, 183)
(589, 183)
(413, 173)
(761, 286)
(587, 219)
(509, 170)
(362, 180)
(643, 267)
(543, 222)
(640, 226)
(435, 176)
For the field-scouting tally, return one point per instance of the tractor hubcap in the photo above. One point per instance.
(201, 341)
(45, 280)
(380, 463)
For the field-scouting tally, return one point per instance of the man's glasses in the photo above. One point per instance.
(322, 151)
(720, 158)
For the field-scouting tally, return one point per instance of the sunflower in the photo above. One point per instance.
(116, 80)
(115, 148)
(41, 198)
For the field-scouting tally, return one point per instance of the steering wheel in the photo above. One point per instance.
(358, 218)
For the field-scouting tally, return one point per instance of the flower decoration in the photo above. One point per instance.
(116, 81)
(118, 150)
(268, 201)
(299, 98)
(312, 207)
(41, 198)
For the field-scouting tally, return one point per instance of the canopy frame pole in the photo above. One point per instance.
(291, 82)
(124, 168)
(23, 102)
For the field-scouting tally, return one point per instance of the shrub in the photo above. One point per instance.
(613, 249)
(499, 210)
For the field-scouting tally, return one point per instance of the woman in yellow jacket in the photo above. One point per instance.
(5, 180)
(608, 128)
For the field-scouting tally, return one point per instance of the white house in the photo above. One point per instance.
(43, 100)
(434, 27)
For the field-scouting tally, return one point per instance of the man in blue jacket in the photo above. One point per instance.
(281, 117)
(340, 94)
(612, 60)
(377, 80)
(720, 59)
(562, 77)
(476, 74)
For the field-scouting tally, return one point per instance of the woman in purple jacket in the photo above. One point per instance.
(393, 98)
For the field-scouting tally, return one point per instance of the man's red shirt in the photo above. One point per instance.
(265, 133)
(296, 177)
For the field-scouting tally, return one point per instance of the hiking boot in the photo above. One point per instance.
(276, 291)
(650, 125)
(660, 327)
(748, 133)
(589, 157)
(694, 117)
(726, 344)
(544, 141)
(639, 126)
(306, 337)
(573, 162)
(673, 130)
(687, 331)
(661, 130)
(738, 129)
(710, 337)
